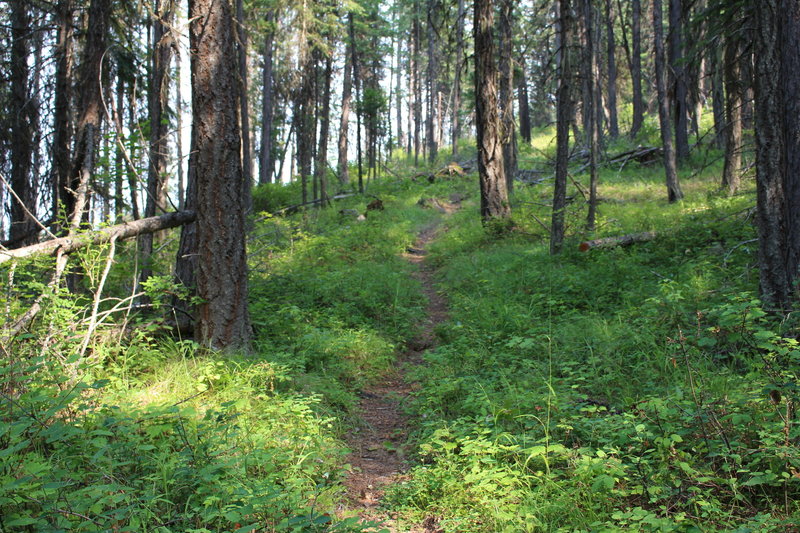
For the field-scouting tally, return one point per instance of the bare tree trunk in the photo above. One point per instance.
(321, 164)
(23, 228)
(674, 192)
(509, 134)
(613, 122)
(636, 68)
(591, 106)
(223, 320)
(524, 104)
(459, 66)
(733, 112)
(416, 82)
(494, 196)
(267, 162)
(564, 117)
(344, 124)
(304, 120)
(357, 87)
(718, 100)
(119, 158)
(433, 84)
(681, 109)
(401, 140)
(62, 123)
(157, 177)
(244, 104)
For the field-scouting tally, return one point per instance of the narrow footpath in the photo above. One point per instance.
(379, 458)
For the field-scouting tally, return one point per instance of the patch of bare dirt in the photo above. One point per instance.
(379, 455)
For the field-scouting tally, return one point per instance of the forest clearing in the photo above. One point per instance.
(542, 278)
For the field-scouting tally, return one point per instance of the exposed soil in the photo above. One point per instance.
(379, 457)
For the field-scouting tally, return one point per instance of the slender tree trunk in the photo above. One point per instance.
(23, 228)
(508, 129)
(304, 120)
(563, 119)
(244, 105)
(133, 125)
(494, 196)
(416, 82)
(321, 164)
(459, 66)
(680, 100)
(267, 162)
(399, 95)
(344, 124)
(223, 320)
(157, 177)
(636, 68)
(119, 158)
(718, 100)
(433, 84)
(179, 135)
(62, 123)
(591, 106)
(674, 192)
(357, 87)
(524, 104)
(733, 112)
(613, 122)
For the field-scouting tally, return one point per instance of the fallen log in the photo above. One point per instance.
(120, 232)
(622, 240)
(295, 208)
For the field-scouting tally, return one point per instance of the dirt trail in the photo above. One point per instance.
(378, 458)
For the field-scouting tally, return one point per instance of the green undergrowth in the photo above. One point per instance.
(139, 430)
(635, 388)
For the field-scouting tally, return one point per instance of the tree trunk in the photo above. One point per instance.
(680, 91)
(508, 129)
(459, 66)
(673, 186)
(636, 67)
(613, 122)
(398, 95)
(718, 100)
(119, 158)
(563, 119)
(733, 112)
(23, 227)
(494, 196)
(344, 123)
(304, 120)
(321, 164)
(433, 84)
(223, 320)
(591, 106)
(244, 105)
(777, 127)
(87, 134)
(524, 104)
(62, 123)
(157, 181)
(267, 162)
(416, 82)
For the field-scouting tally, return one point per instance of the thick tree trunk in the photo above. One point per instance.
(223, 320)
(266, 160)
(680, 91)
(613, 122)
(494, 196)
(777, 126)
(23, 228)
(674, 192)
(733, 113)
(507, 92)
(563, 119)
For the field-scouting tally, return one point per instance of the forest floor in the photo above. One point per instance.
(379, 445)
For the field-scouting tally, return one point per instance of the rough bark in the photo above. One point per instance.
(344, 123)
(23, 228)
(674, 192)
(611, 51)
(636, 67)
(563, 119)
(459, 66)
(119, 232)
(777, 126)
(508, 129)
(416, 88)
(680, 89)
(304, 121)
(494, 196)
(524, 104)
(591, 105)
(62, 122)
(266, 160)
(321, 163)
(733, 113)
(223, 320)
(87, 127)
(244, 104)
(432, 84)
